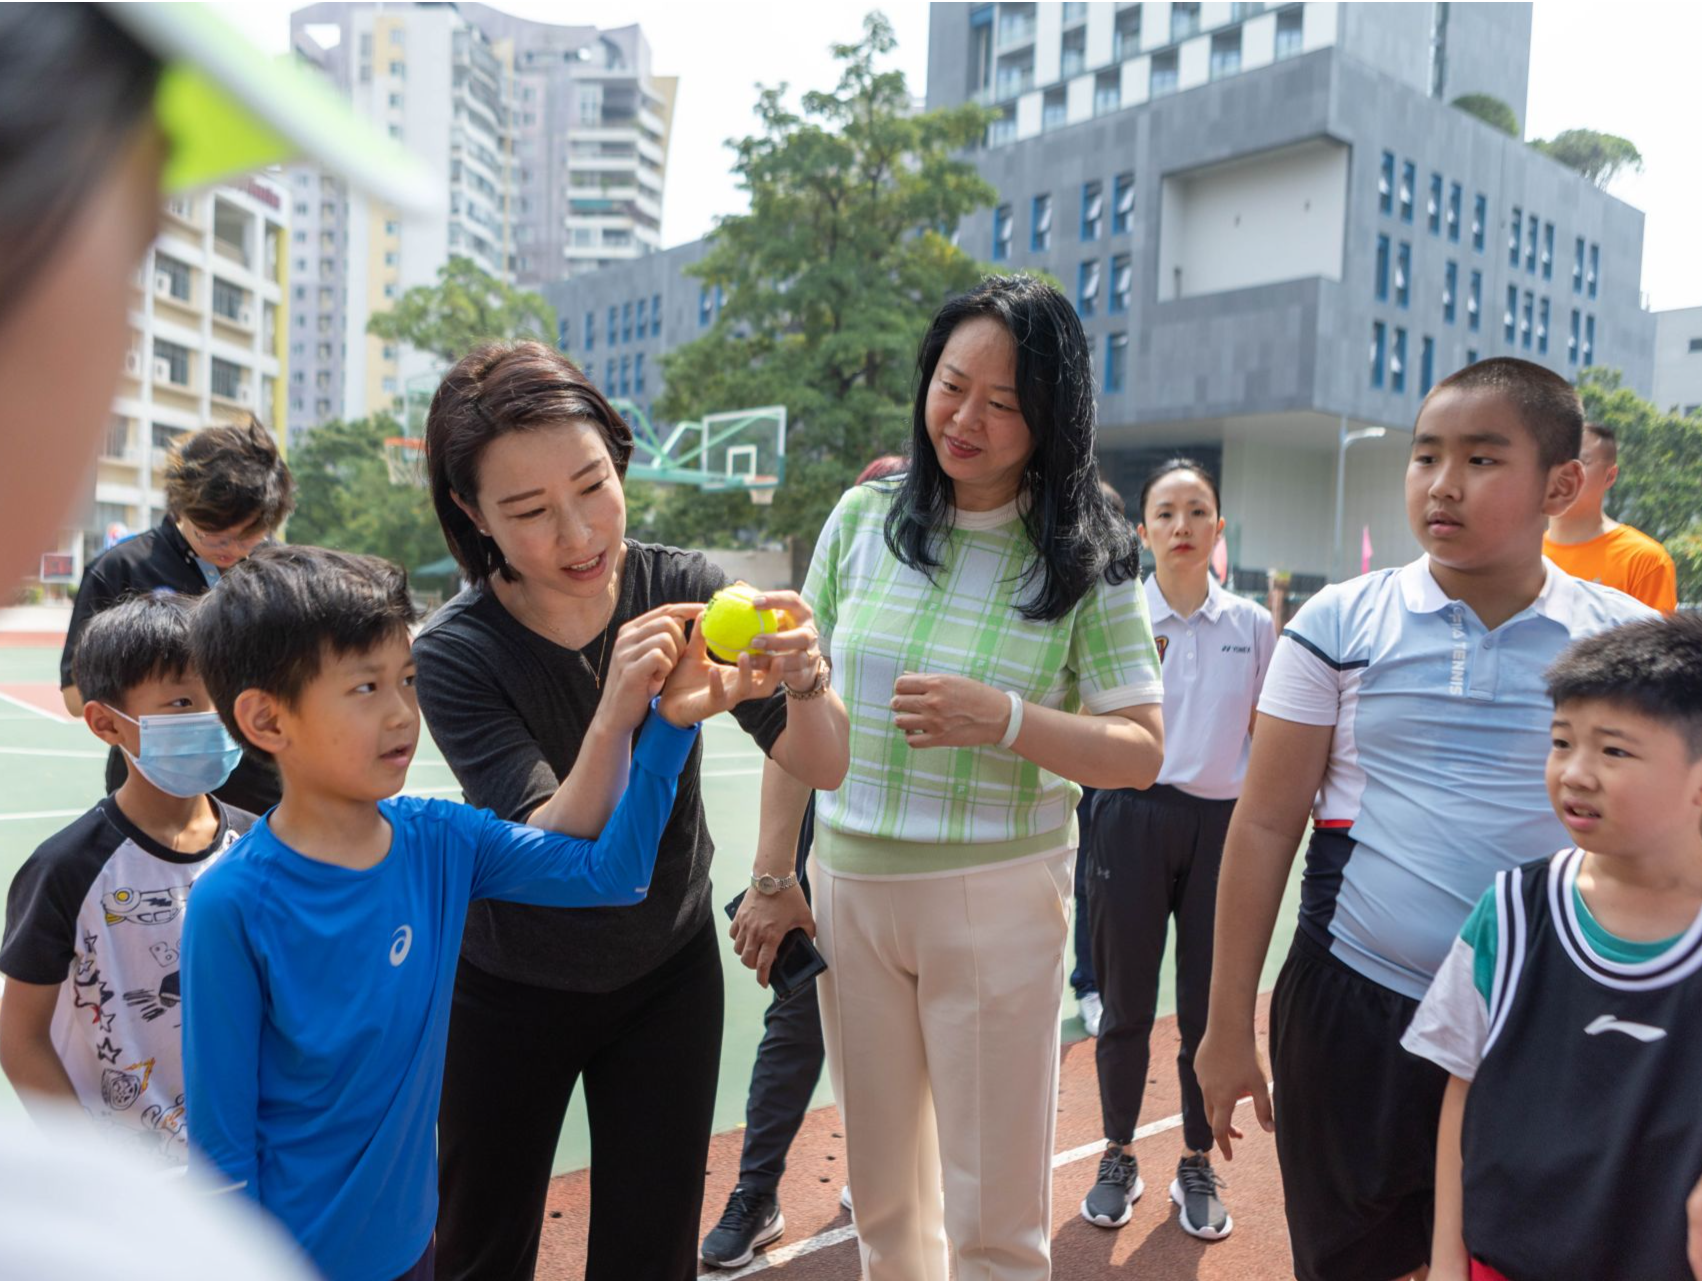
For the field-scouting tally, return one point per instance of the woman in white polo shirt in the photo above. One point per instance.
(1152, 855)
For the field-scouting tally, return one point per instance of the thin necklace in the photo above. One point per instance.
(603, 645)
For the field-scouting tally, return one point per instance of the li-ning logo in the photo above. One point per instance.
(1641, 1031)
(400, 942)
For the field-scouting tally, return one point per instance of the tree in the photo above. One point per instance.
(344, 498)
(1660, 471)
(1491, 110)
(830, 279)
(467, 306)
(1598, 156)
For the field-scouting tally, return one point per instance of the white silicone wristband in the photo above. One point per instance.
(1015, 727)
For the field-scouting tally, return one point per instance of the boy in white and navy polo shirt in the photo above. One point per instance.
(1409, 705)
(1565, 1013)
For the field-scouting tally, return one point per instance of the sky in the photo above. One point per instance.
(1621, 68)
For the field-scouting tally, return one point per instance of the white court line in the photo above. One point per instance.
(822, 1241)
(38, 751)
(39, 711)
(6, 818)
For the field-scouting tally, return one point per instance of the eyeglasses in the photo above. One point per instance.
(222, 543)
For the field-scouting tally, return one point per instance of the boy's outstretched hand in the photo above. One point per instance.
(699, 687)
(646, 649)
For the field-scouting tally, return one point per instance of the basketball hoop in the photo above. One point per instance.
(404, 460)
(761, 489)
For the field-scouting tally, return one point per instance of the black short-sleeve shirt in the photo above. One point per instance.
(156, 560)
(509, 709)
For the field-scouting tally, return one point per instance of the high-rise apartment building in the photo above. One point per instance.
(1275, 228)
(1678, 360)
(551, 145)
(206, 346)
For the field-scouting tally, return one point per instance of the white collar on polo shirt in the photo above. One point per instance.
(1422, 594)
(1158, 608)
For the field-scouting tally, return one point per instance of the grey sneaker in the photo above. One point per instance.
(1195, 1190)
(752, 1219)
(1108, 1203)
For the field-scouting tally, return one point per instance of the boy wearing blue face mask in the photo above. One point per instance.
(95, 917)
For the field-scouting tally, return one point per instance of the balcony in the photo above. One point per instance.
(232, 252)
(1010, 84)
(1015, 31)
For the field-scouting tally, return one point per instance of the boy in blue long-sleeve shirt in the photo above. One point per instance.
(320, 957)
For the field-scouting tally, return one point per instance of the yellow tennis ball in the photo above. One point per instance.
(730, 622)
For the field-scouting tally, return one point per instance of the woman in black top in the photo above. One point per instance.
(227, 490)
(525, 681)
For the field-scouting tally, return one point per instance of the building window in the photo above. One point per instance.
(1290, 34)
(1163, 74)
(1040, 237)
(1695, 345)
(1379, 345)
(1073, 52)
(1107, 92)
(1474, 304)
(626, 322)
(1433, 208)
(1572, 339)
(392, 227)
(390, 258)
(1455, 195)
(1092, 210)
(226, 379)
(1184, 21)
(1386, 184)
(643, 322)
(626, 375)
(610, 386)
(1531, 246)
(1548, 251)
(612, 332)
(1427, 366)
(1409, 179)
(1578, 265)
(228, 300)
(1126, 35)
(655, 315)
(177, 361)
(1450, 288)
(1123, 285)
(1595, 268)
(1471, 355)
(590, 331)
(1589, 340)
(1087, 288)
(1122, 203)
(1510, 318)
(1542, 327)
(638, 374)
(1382, 277)
(1527, 321)
(1225, 53)
(1513, 236)
(1480, 221)
(1403, 274)
(705, 307)
(1398, 362)
(399, 70)
(171, 277)
(1054, 109)
(1116, 362)
(1003, 224)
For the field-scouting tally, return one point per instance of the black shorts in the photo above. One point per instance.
(1356, 1121)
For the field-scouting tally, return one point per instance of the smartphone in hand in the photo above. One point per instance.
(796, 963)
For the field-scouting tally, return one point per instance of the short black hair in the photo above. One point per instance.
(1547, 405)
(142, 638)
(277, 616)
(1649, 666)
(1608, 436)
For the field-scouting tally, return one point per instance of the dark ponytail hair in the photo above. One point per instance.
(1076, 536)
(1173, 465)
(73, 90)
(493, 390)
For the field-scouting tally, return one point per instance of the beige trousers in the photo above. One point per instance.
(940, 1011)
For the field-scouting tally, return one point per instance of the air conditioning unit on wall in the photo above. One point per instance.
(162, 370)
(162, 282)
(133, 363)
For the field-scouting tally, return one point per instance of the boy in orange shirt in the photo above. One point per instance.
(1588, 544)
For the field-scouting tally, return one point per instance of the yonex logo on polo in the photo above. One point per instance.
(1640, 1031)
(1237, 649)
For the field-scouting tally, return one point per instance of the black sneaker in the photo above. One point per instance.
(1195, 1190)
(1108, 1202)
(752, 1219)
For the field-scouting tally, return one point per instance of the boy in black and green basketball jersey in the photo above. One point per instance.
(1566, 1014)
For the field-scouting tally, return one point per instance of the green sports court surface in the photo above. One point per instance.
(51, 770)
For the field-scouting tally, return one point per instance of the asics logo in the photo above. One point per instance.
(1640, 1031)
(403, 939)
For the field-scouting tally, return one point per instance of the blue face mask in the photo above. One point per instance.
(189, 754)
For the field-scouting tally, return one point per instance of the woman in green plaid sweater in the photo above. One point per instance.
(991, 644)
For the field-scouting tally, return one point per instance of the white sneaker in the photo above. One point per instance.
(845, 1196)
(1092, 1011)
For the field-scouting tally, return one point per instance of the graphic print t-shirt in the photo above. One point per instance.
(98, 908)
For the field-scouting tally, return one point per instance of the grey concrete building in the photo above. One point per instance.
(1277, 233)
(1678, 359)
